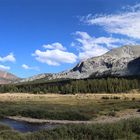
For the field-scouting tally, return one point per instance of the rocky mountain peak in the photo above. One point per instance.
(122, 61)
(113, 63)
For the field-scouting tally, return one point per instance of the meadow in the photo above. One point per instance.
(78, 107)
(67, 107)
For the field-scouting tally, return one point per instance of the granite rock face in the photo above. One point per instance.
(123, 61)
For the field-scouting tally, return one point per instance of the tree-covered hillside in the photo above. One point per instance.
(108, 85)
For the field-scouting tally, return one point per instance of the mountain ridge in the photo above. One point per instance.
(7, 78)
(116, 62)
(122, 61)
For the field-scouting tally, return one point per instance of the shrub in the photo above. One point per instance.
(112, 113)
(105, 97)
(115, 97)
(11, 135)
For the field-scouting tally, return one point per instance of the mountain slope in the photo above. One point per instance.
(124, 61)
(114, 63)
(6, 77)
(117, 62)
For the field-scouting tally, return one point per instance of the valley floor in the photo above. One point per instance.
(80, 107)
(93, 116)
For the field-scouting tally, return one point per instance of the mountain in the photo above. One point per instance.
(123, 61)
(7, 78)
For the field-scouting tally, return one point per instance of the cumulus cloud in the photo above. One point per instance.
(54, 55)
(2, 67)
(26, 67)
(126, 23)
(92, 46)
(8, 58)
(55, 45)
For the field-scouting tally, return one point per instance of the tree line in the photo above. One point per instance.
(108, 85)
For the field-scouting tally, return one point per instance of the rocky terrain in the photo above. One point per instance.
(123, 61)
(6, 77)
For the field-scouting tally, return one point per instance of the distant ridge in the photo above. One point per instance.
(7, 78)
(123, 61)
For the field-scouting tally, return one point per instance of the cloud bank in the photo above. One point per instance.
(91, 46)
(126, 22)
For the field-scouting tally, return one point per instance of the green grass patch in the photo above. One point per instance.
(79, 111)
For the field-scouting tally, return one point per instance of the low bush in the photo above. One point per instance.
(115, 97)
(112, 113)
(105, 97)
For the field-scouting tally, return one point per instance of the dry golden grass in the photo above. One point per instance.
(65, 99)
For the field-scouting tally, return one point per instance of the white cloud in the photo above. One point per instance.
(24, 66)
(92, 46)
(2, 67)
(124, 23)
(55, 55)
(55, 45)
(8, 58)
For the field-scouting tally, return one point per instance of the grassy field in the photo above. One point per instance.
(74, 107)
(68, 107)
(59, 98)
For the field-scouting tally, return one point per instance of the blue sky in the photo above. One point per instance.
(49, 36)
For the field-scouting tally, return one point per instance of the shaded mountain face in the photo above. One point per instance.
(6, 77)
(134, 66)
(123, 61)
